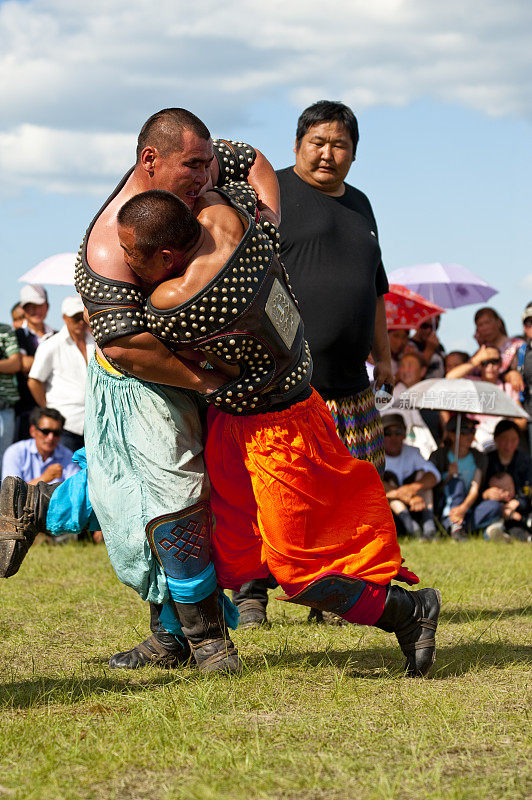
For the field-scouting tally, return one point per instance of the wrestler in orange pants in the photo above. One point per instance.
(290, 499)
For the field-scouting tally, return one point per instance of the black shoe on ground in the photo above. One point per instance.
(154, 652)
(325, 618)
(252, 614)
(413, 617)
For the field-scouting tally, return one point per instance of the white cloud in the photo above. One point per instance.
(90, 70)
(63, 161)
(526, 282)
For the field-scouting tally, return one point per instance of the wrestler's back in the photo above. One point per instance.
(224, 229)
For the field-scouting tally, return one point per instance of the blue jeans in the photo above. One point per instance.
(479, 516)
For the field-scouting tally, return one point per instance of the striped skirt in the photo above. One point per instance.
(359, 426)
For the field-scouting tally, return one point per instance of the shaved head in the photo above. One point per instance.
(164, 130)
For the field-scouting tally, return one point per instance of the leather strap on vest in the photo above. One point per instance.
(234, 159)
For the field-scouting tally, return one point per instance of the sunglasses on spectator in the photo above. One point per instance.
(468, 429)
(48, 431)
(489, 361)
(528, 322)
(394, 432)
(77, 317)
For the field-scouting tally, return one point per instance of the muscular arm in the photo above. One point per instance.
(264, 180)
(381, 347)
(146, 357)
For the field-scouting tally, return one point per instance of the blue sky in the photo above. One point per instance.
(442, 96)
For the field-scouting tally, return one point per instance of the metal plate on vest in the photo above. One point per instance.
(282, 313)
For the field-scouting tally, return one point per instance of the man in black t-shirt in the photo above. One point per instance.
(330, 248)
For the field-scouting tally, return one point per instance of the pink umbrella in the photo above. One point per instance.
(405, 309)
(450, 285)
(57, 270)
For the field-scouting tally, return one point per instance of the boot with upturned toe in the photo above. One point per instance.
(153, 651)
(161, 649)
(413, 617)
(23, 510)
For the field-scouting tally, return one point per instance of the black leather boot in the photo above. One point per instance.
(207, 634)
(413, 617)
(251, 602)
(23, 510)
(325, 618)
(162, 648)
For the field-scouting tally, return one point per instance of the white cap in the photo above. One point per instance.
(527, 312)
(72, 306)
(33, 293)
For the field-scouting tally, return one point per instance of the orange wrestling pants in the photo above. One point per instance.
(288, 498)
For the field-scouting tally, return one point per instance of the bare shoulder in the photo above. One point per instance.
(104, 254)
(220, 218)
(169, 294)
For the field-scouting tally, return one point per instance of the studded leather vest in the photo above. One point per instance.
(246, 316)
(116, 308)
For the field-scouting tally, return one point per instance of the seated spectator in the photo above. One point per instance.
(409, 481)
(425, 341)
(17, 315)
(412, 370)
(454, 359)
(515, 511)
(491, 332)
(58, 376)
(398, 340)
(508, 459)
(9, 366)
(457, 504)
(32, 332)
(488, 360)
(520, 374)
(41, 458)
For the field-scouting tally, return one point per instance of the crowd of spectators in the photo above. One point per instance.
(485, 488)
(475, 478)
(42, 388)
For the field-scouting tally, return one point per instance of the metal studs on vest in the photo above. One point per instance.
(246, 317)
(115, 308)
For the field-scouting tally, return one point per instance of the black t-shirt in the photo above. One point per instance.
(527, 377)
(330, 248)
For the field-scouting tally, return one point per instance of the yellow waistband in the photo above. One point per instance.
(102, 361)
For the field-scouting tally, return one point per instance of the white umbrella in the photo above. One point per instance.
(463, 396)
(448, 285)
(57, 270)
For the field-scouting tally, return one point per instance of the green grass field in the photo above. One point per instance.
(320, 712)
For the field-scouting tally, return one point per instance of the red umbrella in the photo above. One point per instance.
(405, 309)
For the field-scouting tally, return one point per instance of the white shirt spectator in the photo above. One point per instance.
(60, 365)
(408, 462)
